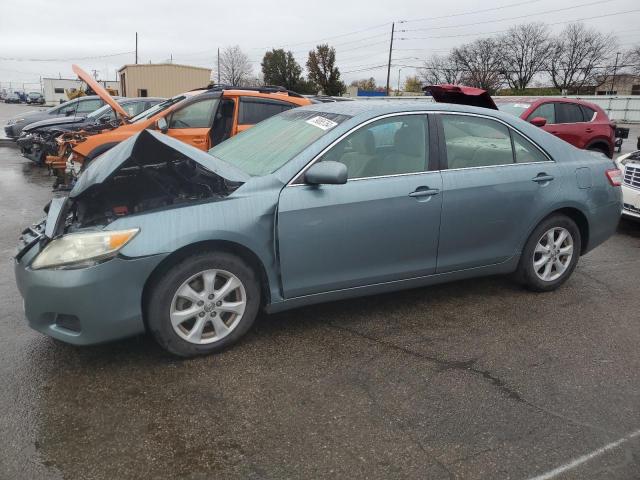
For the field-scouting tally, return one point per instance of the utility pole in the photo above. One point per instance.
(399, 70)
(136, 48)
(218, 65)
(393, 26)
(615, 67)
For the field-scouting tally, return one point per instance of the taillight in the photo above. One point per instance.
(615, 176)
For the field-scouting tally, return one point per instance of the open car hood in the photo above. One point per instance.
(461, 95)
(100, 91)
(144, 150)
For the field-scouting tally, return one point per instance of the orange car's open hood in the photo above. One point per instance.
(100, 91)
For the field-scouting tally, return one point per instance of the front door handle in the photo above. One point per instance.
(424, 192)
(542, 178)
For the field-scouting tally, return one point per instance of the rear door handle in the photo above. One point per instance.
(542, 177)
(424, 192)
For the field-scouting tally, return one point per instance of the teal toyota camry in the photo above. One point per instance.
(326, 202)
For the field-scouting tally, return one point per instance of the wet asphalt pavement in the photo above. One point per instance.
(472, 380)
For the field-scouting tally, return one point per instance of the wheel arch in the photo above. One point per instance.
(227, 246)
(602, 145)
(580, 220)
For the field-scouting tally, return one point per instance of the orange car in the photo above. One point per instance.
(202, 118)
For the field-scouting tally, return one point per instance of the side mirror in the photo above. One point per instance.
(69, 111)
(539, 121)
(327, 173)
(161, 124)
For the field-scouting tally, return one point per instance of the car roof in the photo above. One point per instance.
(365, 109)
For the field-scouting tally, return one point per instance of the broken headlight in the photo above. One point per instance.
(78, 250)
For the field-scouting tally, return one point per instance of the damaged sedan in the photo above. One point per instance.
(38, 139)
(320, 203)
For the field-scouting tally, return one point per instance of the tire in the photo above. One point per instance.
(168, 304)
(537, 277)
(603, 150)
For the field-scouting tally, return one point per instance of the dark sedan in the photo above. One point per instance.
(79, 107)
(38, 139)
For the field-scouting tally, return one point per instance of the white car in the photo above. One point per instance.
(629, 164)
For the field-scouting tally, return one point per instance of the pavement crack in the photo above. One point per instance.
(469, 366)
(464, 365)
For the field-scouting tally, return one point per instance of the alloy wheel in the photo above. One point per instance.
(553, 253)
(208, 306)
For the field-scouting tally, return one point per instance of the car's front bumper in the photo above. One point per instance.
(10, 132)
(630, 202)
(88, 305)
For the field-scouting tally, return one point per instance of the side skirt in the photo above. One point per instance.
(508, 266)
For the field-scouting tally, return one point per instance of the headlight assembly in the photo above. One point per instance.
(78, 250)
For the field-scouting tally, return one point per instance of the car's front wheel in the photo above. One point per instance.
(551, 254)
(203, 304)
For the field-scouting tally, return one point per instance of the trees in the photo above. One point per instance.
(633, 57)
(365, 84)
(440, 69)
(235, 68)
(412, 84)
(281, 68)
(322, 70)
(576, 54)
(525, 49)
(481, 63)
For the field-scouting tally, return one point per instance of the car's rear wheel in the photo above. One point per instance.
(550, 254)
(203, 304)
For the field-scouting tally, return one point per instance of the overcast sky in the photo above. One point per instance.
(65, 32)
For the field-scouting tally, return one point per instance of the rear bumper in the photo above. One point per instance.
(603, 223)
(88, 305)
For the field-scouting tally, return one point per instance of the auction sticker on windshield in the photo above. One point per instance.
(321, 122)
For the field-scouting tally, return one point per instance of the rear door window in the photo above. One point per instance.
(254, 110)
(525, 151)
(473, 142)
(588, 113)
(546, 111)
(568, 113)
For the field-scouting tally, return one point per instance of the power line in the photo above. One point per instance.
(473, 12)
(588, 4)
(603, 15)
(65, 59)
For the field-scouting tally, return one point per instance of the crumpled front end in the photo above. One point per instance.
(94, 299)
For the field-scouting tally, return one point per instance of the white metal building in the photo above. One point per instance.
(53, 88)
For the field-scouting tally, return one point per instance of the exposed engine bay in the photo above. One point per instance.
(153, 176)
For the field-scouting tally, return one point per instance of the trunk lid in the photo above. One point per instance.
(461, 95)
(100, 91)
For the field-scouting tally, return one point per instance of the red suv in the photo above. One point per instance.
(582, 124)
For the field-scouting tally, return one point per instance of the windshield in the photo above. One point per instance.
(34, 94)
(150, 112)
(513, 108)
(265, 148)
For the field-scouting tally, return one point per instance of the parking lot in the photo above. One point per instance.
(475, 379)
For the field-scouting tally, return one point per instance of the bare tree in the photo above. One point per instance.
(525, 49)
(578, 56)
(481, 62)
(633, 59)
(235, 68)
(440, 69)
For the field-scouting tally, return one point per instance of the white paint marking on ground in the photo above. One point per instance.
(585, 458)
